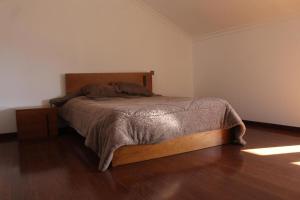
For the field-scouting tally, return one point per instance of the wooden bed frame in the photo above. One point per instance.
(136, 153)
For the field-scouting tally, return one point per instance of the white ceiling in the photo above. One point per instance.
(204, 17)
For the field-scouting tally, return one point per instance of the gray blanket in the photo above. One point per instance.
(108, 124)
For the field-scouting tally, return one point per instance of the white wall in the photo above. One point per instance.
(40, 40)
(257, 70)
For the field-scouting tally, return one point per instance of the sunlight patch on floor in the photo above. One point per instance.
(296, 163)
(274, 150)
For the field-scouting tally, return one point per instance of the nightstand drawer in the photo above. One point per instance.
(36, 123)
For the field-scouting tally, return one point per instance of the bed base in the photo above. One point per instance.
(183, 144)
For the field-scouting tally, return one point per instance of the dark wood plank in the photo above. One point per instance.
(76, 81)
(5, 137)
(62, 168)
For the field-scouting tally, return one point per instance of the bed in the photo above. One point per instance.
(128, 130)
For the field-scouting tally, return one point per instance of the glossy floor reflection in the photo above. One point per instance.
(274, 150)
(296, 163)
(63, 168)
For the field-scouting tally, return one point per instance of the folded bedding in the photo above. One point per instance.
(110, 123)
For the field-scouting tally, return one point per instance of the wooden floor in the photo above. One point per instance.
(64, 169)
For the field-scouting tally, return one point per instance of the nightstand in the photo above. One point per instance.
(36, 123)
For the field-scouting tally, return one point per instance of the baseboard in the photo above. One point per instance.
(13, 136)
(8, 136)
(274, 126)
(5, 137)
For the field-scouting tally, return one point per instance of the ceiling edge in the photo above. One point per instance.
(243, 28)
(164, 18)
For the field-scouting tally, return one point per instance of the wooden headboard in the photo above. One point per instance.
(76, 81)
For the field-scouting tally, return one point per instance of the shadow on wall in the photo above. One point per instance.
(63, 83)
(7, 120)
(45, 102)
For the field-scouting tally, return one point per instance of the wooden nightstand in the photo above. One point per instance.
(35, 123)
